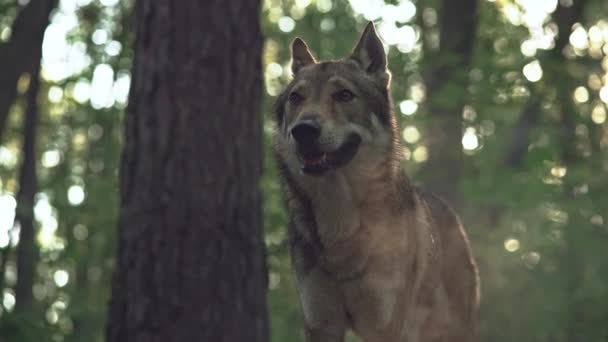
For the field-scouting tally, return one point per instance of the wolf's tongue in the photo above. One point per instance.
(314, 159)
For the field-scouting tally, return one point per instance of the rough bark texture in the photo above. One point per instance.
(27, 252)
(191, 260)
(26, 37)
(447, 78)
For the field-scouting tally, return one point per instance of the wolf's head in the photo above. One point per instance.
(336, 114)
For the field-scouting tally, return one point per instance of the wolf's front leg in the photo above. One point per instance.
(320, 335)
(324, 316)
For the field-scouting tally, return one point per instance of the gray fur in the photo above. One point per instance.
(370, 252)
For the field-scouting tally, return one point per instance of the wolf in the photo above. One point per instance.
(371, 253)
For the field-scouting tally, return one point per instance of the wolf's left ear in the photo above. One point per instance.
(300, 55)
(369, 53)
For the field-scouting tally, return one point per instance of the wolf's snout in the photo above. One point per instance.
(306, 131)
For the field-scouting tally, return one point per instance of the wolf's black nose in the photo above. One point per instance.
(306, 131)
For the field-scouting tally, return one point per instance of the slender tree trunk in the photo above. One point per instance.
(561, 82)
(27, 252)
(571, 261)
(553, 61)
(517, 146)
(4, 252)
(562, 79)
(446, 83)
(191, 259)
(27, 33)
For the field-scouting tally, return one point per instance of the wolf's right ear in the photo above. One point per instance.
(300, 55)
(369, 53)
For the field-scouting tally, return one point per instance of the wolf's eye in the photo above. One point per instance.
(344, 95)
(295, 98)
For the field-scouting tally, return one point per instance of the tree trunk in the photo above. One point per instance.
(27, 252)
(553, 61)
(26, 37)
(191, 258)
(570, 262)
(446, 81)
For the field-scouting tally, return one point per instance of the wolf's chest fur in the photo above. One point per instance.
(356, 224)
(367, 246)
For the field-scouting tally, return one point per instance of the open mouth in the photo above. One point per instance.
(315, 162)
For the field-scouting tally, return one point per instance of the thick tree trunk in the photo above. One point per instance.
(446, 83)
(191, 260)
(27, 251)
(26, 37)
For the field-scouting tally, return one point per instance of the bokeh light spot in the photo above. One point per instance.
(76, 195)
(55, 94)
(559, 171)
(82, 91)
(411, 134)
(8, 300)
(51, 158)
(533, 71)
(531, 259)
(581, 95)
(421, 154)
(286, 24)
(604, 94)
(408, 107)
(598, 114)
(470, 141)
(511, 245)
(61, 278)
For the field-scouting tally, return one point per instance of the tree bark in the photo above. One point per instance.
(26, 37)
(191, 258)
(27, 252)
(446, 81)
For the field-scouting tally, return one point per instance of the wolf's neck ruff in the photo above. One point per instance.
(338, 200)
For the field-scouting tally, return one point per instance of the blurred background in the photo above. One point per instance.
(523, 83)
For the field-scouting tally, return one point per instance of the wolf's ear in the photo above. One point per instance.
(300, 55)
(369, 53)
